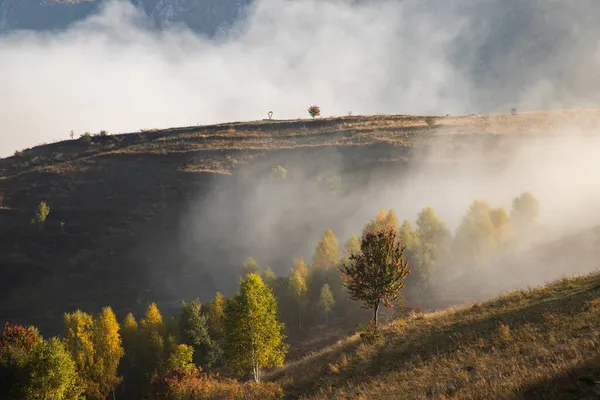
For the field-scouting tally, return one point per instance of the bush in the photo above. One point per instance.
(278, 172)
(192, 384)
(314, 111)
(430, 121)
(86, 137)
(42, 212)
(370, 333)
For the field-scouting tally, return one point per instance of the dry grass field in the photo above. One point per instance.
(539, 343)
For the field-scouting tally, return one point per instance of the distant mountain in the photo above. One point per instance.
(203, 16)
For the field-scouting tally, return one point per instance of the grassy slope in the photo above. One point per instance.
(541, 343)
(117, 194)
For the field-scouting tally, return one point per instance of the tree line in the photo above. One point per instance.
(202, 350)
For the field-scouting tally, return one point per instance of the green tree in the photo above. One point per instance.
(327, 252)
(433, 244)
(53, 374)
(181, 359)
(298, 290)
(376, 274)
(326, 302)
(41, 214)
(108, 352)
(251, 266)
(193, 331)
(254, 336)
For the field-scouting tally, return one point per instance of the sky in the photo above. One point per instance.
(113, 72)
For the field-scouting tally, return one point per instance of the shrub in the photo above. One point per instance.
(86, 137)
(314, 111)
(278, 173)
(430, 121)
(194, 384)
(43, 210)
(369, 333)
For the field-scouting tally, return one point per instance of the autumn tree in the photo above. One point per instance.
(268, 276)
(52, 373)
(215, 317)
(131, 365)
(352, 246)
(327, 252)
(385, 220)
(376, 274)
(408, 236)
(524, 213)
(254, 336)
(16, 345)
(193, 332)
(326, 302)
(503, 229)
(433, 244)
(95, 346)
(298, 289)
(251, 266)
(301, 268)
(475, 238)
(152, 340)
(391, 220)
(79, 342)
(108, 352)
(314, 111)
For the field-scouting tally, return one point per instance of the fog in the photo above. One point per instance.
(249, 214)
(114, 71)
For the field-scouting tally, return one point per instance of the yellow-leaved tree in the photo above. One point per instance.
(215, 317)
(298, 289)
(152, 341)
(108, 351)
(254, 336)
(327, 252)
(79, 342)
(95, 346)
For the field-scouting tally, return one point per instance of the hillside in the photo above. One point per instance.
(129, 213)
(529, 344)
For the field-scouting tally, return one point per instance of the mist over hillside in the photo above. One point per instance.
(109, 67)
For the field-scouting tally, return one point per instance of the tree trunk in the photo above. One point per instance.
(375, 312)
(256, 372)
